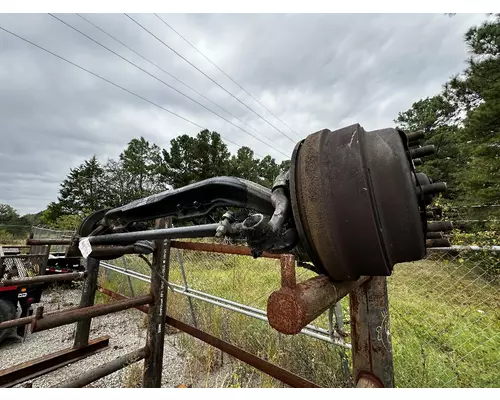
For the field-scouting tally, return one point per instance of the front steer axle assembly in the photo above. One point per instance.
(351, 205)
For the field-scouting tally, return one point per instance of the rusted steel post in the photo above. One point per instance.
(219, 248)
(153, 362)
(71, 276)
(42, 242)
(372, 357)
(39, 312)
(288, 278)
(87, 300)
(295, 305)
(41, 322)
(16, 322)
(28, 320)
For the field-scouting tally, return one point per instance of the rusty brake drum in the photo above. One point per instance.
(355, 203)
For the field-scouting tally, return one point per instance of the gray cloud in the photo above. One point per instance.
(314, 71)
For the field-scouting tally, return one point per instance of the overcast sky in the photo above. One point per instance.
(312, 71)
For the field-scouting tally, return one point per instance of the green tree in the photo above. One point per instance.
(285, 165)
(475, 94)
(144, 169)
(427, 114)
(463, 122)
(192, 159)
(12, 225)
(433, 115)
(181, 161)
(268, 171)
(51, 213)
(119, 181)
(212, 155)
(68, 222)
(143, 162)
(84, 190)
(245, 165)
(32, 219)
(8, 215)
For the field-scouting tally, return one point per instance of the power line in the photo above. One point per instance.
(169, 74)
(208, 77)
(165, 83)
(232, 80)
(114, 84)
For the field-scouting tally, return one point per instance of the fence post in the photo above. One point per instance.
(87, 300)
(372, 359)
(186, 287)
(155, 340)
(130, 286)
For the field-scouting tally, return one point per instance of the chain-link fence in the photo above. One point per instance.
(241, 280)
(444, 319)
(445, 310)
(40, 232)
(17, 234)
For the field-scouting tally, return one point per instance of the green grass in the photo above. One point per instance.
(445, 326)
(445, 323)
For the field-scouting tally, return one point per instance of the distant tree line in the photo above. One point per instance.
(143, 168)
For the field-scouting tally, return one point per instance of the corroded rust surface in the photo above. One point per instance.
(289, 310)
(370, 332)
(351, 188)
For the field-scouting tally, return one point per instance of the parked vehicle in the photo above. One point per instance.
(16, 300)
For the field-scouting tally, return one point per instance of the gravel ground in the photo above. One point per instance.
(127, 332)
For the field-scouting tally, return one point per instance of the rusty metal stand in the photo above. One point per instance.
(41, 322)
(372, 357)
(153, 362)
(281, 374)
(71, 276)
(87, 300)
(43, 365)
